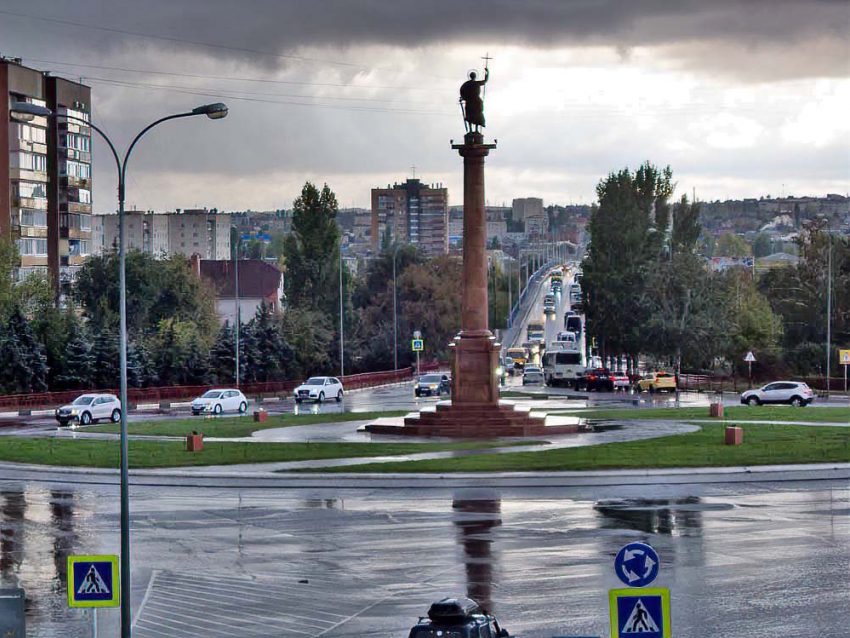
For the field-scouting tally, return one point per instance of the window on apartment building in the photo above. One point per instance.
(195, 234)
(36, 190)
(32, 247)
(78, 142)
(29, 133)
(30, 161)
(84, 196)
(80, 115)
(72, 168)
(85, 222)
(36, 218)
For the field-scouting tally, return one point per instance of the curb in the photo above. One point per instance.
(247, 479)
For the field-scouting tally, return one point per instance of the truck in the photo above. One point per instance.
(563, 366)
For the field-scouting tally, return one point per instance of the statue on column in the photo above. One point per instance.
(471, 102)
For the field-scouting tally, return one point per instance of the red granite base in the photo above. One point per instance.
(471, 421)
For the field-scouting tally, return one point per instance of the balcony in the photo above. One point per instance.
(75, 182)
(28, 175)
(74, 207)
(80, 156)
(35, 203)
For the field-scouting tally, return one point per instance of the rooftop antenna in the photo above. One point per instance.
(413, 168)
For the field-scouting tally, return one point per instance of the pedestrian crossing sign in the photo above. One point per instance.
(640, 613)
(844, 356)
(417, 345)
(93, 581)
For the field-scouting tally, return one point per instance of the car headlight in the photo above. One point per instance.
(500, 371)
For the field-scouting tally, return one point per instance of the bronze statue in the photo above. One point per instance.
(471, 102)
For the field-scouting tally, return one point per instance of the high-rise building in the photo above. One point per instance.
(45, 172)
(412, 213)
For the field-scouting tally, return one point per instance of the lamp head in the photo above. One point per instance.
(26, 112)
(213, 111)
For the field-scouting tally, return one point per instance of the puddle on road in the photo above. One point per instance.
(475, 521)
(672, 517)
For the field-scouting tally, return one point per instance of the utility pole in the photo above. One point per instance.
(238, 314)
(341, 323)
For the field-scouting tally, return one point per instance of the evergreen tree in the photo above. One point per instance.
(272, 352)
(76, 368)
(139, 372)
(106, 364)
(223, 355)
(23, 364)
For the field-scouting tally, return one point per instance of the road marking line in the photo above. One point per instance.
(145, 599)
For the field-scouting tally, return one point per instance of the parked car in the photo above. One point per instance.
(319, 389)
(433, 384)
(790, 392)
(88, 408)
(532, 375)
(656, 382)
(458, 618)
(218, 401)
(596, 379)
(621, 380)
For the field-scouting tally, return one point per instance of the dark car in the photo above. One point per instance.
(596, 379)
(433, 385)
(457, 618)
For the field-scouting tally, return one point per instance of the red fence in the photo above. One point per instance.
(136, 396)
(718, 383)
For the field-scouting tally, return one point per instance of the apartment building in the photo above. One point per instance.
(45, 172)
(199, 232)
(143, 230)
(413, 213)
(191, 232)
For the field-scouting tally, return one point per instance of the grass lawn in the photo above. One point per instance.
(763, 445)
(734, 413)
(234, 427)
(148, 454)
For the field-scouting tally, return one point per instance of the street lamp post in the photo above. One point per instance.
(341, 329)
(238, 308)
(828, 306)
(25, 111)
(395, 313)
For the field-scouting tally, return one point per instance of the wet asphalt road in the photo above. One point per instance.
(754, 560)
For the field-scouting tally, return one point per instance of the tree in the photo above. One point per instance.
(732, 245)
(271, 354)
(312, 251)
(223, 354)
(105, 356)
(686, 226)
(23, 365)
(158, 289)
(762, 246)
(74, 371)
(310, 334)
(628, 231)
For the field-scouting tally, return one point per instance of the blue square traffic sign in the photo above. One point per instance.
(641, 613)
(93, 581)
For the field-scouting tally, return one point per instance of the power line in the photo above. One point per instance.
(228, 96)
(260, 93)
(197, 43)
(231, 78)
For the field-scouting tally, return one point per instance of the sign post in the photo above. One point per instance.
(844, 358)
(13, 620)
(639, 610)
(749, 359)
(417, 345)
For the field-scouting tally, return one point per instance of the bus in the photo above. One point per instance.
(563, 367)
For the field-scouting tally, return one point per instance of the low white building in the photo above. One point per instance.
(259, 282)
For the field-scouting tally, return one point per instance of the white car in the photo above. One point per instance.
(792, 392)
(218, 401)
(532, 375)
(88, 408)
(319, 389)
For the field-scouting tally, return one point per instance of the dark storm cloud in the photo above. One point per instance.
(280, 27)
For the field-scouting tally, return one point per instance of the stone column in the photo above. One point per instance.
(476, 354)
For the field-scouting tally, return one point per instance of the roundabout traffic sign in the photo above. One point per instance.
(637, 565)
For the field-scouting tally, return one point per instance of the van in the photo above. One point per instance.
(563, 367)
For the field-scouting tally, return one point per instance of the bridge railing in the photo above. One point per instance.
(136, 396)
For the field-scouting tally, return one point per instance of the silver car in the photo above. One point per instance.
(220, 400)
(532, 375)
(88, 408)
(791, 392)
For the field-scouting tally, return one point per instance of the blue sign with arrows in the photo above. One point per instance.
(637, 565)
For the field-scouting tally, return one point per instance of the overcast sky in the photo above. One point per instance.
(742, 98)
